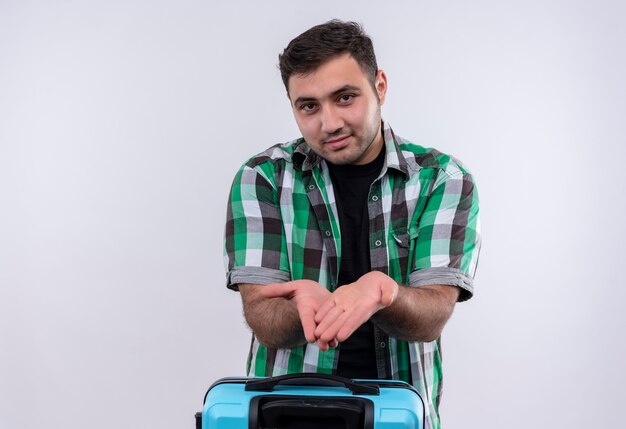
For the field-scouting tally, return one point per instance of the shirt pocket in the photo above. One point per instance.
(401, 264)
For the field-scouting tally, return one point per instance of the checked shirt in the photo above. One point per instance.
(282, 225)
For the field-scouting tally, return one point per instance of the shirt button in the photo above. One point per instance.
(328, 233)
(311, 187)
(375, 198)
(382, 345)
(378, 243)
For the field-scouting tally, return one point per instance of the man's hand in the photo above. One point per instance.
(352, 305)
(308, 296)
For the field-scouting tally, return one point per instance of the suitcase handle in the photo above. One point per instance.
(312, 379)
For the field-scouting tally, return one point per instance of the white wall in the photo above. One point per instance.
(122, 123)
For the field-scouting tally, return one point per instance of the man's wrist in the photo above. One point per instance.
(389, 291)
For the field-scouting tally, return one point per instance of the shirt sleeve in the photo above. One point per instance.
(447, 240)
(254, 241)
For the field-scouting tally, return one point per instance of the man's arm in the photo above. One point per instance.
(281, 315)
(418, 313)
(414, 314)
(450, 218)
(274, 321)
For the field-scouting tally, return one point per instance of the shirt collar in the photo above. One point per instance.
(394, 158)
(305, 159)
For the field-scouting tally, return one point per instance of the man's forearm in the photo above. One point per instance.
(418, 313)
(274, 321)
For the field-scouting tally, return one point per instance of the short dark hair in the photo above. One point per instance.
(326, 41)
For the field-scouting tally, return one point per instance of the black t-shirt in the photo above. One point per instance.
(357, 356)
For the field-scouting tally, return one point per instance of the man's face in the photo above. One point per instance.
(338, 111)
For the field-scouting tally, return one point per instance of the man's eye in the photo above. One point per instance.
(346, 98)
(308, 107)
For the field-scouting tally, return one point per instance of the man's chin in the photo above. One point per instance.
(342, 157)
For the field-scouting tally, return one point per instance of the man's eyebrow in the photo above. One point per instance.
(332, 94)
(346, 88)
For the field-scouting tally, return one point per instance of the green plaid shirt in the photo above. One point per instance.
(282, 225)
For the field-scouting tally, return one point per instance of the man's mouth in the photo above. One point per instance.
(337, 142)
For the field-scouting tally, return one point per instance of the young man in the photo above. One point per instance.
(349, 246)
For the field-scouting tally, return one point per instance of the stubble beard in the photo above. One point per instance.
(351, 154)
(363, 144)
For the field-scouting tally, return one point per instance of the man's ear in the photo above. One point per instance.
(380, 84)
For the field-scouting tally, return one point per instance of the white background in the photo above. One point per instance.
(122, 124)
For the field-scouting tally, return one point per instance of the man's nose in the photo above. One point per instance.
(331, 120)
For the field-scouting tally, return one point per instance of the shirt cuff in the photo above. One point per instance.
(255, 276)
(444, 276)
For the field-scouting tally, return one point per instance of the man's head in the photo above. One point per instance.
(323, 42)
(336, 91)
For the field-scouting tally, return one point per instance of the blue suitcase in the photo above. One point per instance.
(310, 400)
